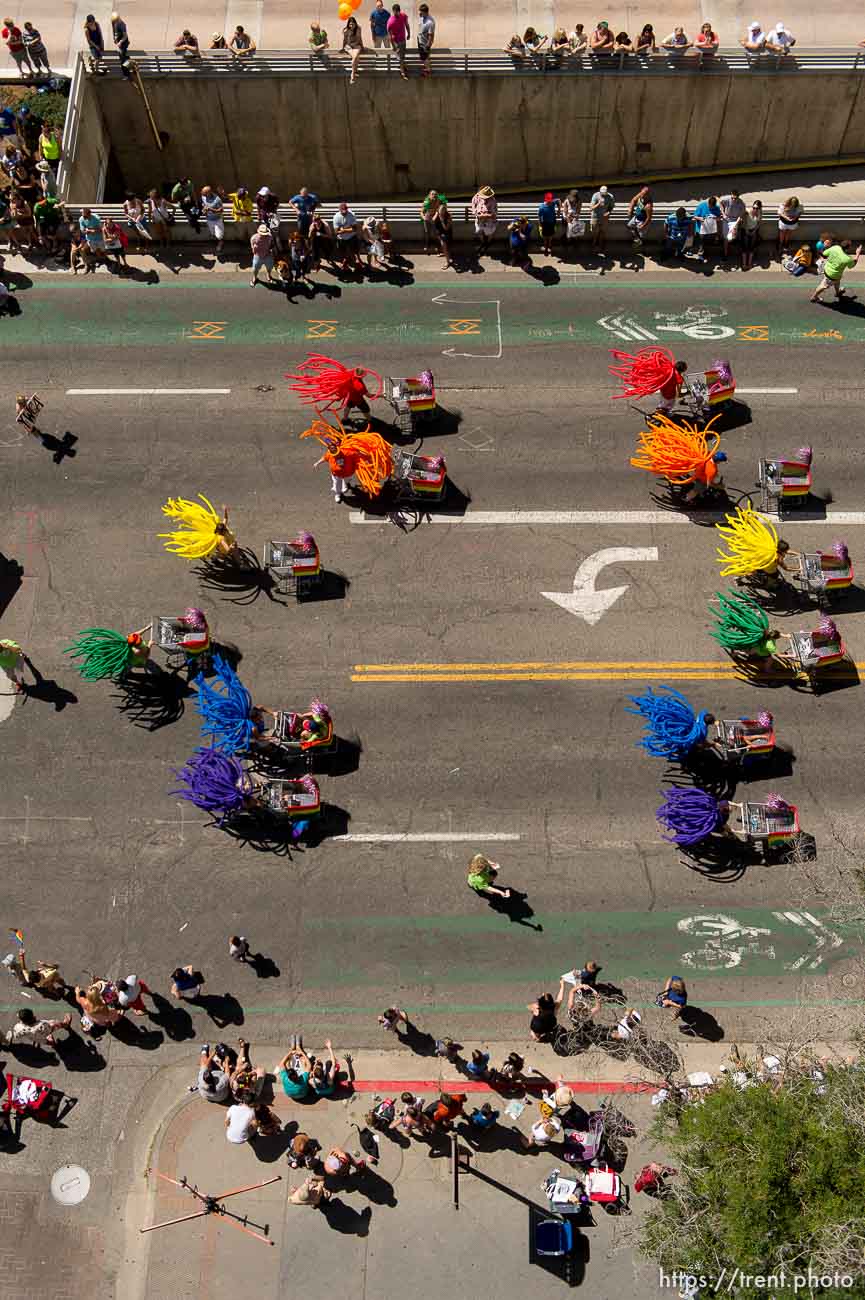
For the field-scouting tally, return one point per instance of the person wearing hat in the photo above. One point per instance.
(755, 41)
(47, 179)
(601, 206)
(484, 208)
(218, 42)
(262, 254)
(779, 40)
(602, 41)
(548, 214)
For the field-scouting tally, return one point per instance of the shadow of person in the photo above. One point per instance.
(63, 448)
(79, 1054)
(375, 1188)
(32, 1056)
(47, 690)
(136, 1035)
(239, 577)
(694, 1022)
(11, 574)
(265, 967)
(416, 1040)
(174, 1020)
(222, 1008)
(516, 908)
(273, 1148)
(345, 1218)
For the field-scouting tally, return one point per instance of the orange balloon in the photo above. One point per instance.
(355, 4)
(344, 11)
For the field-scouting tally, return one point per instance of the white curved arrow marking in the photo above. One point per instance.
(584, 601)
(474, 302)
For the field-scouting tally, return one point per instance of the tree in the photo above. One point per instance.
(771, 1181)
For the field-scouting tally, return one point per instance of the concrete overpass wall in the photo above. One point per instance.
(383, 137)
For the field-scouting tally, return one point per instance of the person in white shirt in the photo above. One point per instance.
(30, 1032)
(755, 41)
(780, 41)
(129, 995)
(240, 1123)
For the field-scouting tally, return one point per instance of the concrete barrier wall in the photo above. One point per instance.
(85, 169)
(383, 137)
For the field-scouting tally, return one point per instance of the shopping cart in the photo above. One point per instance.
(295, 566)
(413, 399)
(418, 478)
(784, 481)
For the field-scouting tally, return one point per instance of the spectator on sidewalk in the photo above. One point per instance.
(678, 229)
(317, 41)
(293, 1070)
(478, 1067)
(187, 45)
(640, 211)
(573, 226)
(516, 48)
(837, 259)
(707, 225)
(14, 39)
(312, 1191)
(443, 224)
(320, 241)
(399, 32)
(446, 1109)
(30, 1032)
(732, 211)
(627, 1026)
(160, 217)
(184, 196)
(790, 213)
(646, 43)
(213, 211)
(214, 1076)
(240, 1123)
(352, 45)
(242, 45)
(22, 214)
(652, 1179)
(677, 42)
(623, 44)
(120, 36)
(346, 227)
(484, 209)
(50, 149)
(707, 41)
(754, 41)
(242, 210)
(519, 239)
(339, 1163)
(544, 1131)
(90, 225)
(600, 210)
(779, 40)
(130, 995)
(549, 213)
(186, 983)
(749, 234)
(483, 1118)
(544, 1021)
(601, 41)
(96, 1014)
(136, 218)
(10, 160)
(673, 996)
(305, 204)
(378, 21)
(323, 1074)
(428, 209)
(95, 43)
(35, 47)
(218, 42)
(246, 1080)
(370, 233)
(116, 242)
(426, 32)
(47, 180)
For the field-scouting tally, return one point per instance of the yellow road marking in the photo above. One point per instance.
(646, 670)
(541, 663)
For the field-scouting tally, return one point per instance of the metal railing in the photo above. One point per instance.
(462, 62)
(402, 216)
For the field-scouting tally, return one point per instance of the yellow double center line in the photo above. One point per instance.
(577, 671)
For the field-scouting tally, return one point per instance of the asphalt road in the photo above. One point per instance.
(526, 753)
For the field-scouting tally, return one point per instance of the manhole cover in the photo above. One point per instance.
(70, 1184)
(849, 981)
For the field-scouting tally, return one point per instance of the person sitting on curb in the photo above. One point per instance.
(311, 1191)
(293, 1070)
(214, 1076)
(323, 1074)
(246, 1080)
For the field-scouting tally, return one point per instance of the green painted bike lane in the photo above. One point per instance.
(484, 949)
(475, 321)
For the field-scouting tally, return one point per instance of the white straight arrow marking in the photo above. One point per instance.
(584, 600)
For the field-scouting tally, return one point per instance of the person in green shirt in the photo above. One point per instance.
(48, 214)
(481, 875)
(185, 197)
(318, 42)
(836, 260)
(12, 663)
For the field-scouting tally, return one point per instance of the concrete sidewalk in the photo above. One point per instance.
(460, 24)
(398, 1226)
